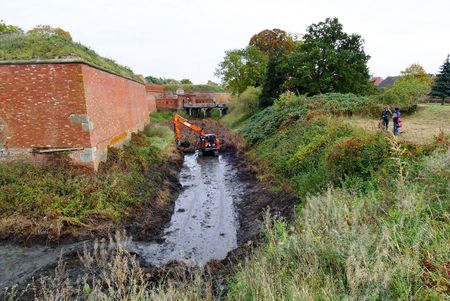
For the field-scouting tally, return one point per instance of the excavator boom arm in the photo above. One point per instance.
(178, 120)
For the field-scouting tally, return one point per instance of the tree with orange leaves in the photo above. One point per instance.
(48, 30)
(273, 40)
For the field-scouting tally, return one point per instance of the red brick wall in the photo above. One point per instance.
(153, 92)
(115, 106)
(155, 88)
(36, 102)
(67, 105)
(151, 101)
(167, 103)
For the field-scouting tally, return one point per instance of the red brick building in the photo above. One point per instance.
(71, 106)
(377, 80)
(175, 101)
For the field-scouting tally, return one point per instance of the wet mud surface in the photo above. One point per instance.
(17, 263)
(204, 223)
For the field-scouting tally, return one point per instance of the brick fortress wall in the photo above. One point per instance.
(67, 105)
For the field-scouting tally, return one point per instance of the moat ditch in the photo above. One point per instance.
(219, 208)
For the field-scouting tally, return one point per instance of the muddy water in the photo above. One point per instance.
(203, 225)
(17, 264)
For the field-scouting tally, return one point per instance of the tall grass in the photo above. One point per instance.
(110, 272)
(350, 246)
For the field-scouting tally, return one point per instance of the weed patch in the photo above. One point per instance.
(19, 46)
(62, 195)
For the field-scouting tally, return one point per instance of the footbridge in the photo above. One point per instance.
(204, 109)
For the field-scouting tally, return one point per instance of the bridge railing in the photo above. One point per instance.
(204, 105)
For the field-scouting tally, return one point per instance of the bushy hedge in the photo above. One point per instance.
(346, 104)
(305, 145)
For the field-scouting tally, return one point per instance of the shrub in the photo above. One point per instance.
(248, 101)
(407, 92)
(195, 88)
(345, 104)
(358, 156)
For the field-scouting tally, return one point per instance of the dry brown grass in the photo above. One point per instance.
(420, 127)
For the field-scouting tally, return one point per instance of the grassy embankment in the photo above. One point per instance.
(373, 223)
(62, 199)
(17, 46)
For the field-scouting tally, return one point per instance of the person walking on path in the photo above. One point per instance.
(386, 115)
(396, 120)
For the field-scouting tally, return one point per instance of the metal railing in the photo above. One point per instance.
(204, 105)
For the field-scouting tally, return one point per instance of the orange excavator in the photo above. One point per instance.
(208, 144)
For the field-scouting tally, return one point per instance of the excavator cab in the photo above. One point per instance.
(208, 144)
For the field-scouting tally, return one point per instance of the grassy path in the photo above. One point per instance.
(419, 127)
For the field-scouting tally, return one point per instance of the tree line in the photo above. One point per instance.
(325, 59)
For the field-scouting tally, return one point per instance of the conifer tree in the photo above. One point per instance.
(272, 86)
(441, 86)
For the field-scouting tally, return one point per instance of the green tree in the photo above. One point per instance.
(52, 31)
(161, 80)
(152, 80)
(186, 81)
(329, 60)
(411, 88)
(242, 68)
(441, 86)
(5, 29)
(417, 70)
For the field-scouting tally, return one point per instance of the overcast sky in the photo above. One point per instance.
(188, 38)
